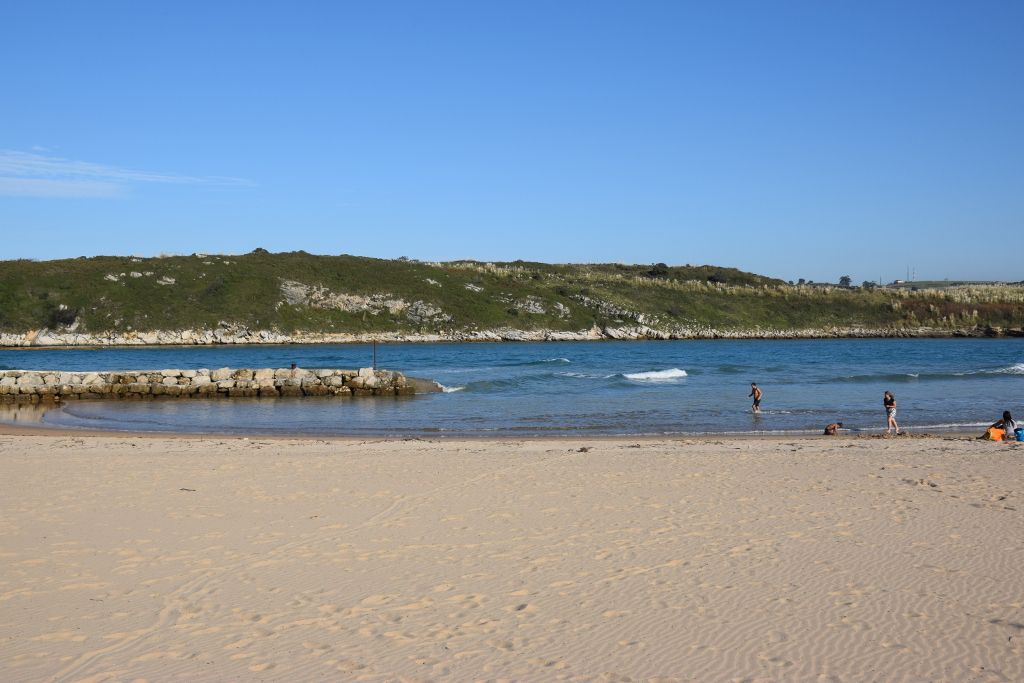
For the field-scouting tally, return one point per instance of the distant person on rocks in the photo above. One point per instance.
(755, 391)
(889, 401)
(831, 429)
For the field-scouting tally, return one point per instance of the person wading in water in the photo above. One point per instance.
(755, 391)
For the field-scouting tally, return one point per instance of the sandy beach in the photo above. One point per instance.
(127, 558)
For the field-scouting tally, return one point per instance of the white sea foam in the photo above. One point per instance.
(1015, 369)
(449, 390)
(557, 360)
(950, 425)
(656, 375)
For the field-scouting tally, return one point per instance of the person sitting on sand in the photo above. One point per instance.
(1008, 425)
(889, 401)
(755, 391)
(831, 429)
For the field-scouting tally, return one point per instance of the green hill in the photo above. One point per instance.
(300, 292)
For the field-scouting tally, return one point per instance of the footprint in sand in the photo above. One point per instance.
(376, 600)
(522, 608)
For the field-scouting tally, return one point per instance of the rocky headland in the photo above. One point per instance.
(300, 298)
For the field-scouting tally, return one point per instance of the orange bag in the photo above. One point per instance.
(995, 434)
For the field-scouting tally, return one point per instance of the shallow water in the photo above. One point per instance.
(655, 387)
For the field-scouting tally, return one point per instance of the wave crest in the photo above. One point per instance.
(1015, 369)
(656, 375)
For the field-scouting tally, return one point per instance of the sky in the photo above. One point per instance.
(792, 139)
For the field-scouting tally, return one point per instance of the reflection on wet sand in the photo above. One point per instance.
(25, 413)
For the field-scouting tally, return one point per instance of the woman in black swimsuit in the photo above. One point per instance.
(889, 401)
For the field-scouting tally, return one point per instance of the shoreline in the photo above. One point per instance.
(13, 429)
(51, 339)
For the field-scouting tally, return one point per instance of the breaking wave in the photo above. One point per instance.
(656, 375)
(1015, 369)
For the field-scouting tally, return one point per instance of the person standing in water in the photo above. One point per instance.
(889, 401)
(755, 391)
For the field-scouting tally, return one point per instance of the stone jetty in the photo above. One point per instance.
(34, 386)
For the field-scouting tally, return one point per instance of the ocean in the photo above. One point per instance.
(577, 388)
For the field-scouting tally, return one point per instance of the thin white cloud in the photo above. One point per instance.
(25, 174)
(53, 187)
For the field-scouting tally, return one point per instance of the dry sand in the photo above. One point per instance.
(810, 559)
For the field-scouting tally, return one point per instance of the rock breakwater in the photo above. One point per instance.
(34, 386)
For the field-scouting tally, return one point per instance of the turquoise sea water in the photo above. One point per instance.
(637, 388)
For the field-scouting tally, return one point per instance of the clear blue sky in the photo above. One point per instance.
(795, 139)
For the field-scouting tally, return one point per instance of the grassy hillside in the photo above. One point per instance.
(302, 292)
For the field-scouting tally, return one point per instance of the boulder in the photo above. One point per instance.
(221, 374)
(315, 390)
